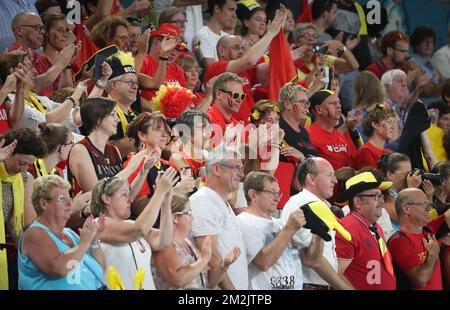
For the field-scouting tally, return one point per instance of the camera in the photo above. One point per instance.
(434, 178)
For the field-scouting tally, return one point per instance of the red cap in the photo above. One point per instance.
(165, 29)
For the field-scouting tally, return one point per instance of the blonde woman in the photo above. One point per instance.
(181, 265)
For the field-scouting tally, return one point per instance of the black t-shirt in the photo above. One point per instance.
(349, 23)
(299, 140)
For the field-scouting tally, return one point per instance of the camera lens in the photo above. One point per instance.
(434, 178)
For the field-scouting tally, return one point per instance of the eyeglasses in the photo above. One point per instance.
(180, 22)
(375, 197)
(71, 143)
(234, 95)
(426, 204)
(37, 28)
(123, 38)
(309, 36)
(236, 47)
(61, 198)
(237, 167)
(183, 213)
(400, 50)
(131, 83)
(275, 195)
(305, 103)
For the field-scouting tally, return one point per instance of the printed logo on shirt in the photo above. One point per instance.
(246, 82)
(337, 148)
(422, 256)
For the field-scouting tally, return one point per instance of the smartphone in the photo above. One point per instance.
(319, 48)
(99, 59)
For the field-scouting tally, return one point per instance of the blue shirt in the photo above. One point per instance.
(429, 71)
(9, 9)
(84, 276)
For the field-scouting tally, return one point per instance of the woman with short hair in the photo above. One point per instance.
(53, 257)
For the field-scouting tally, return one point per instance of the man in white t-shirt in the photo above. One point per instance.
(212, 215)
(223, 16)
(274, 262)
(316, 176)
(441, 58)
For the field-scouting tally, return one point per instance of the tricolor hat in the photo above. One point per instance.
(121, 63)
(359, 183)
(246, 8)
(88, 64)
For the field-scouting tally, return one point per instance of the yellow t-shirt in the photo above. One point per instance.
(329, 62)
(436, 136)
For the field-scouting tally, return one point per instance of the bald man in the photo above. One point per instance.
(9, 10)
(414, 248)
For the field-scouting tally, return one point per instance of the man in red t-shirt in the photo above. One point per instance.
(365, 260)
(414, 247)
(329, 142)
(395, 46)
(232, 58)
(228, 96)
(174, 73)
(29, 33)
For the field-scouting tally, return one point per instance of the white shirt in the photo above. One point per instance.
(303, 236)
(286, 273)
(441, 60)
(194, 18)
(208, 42)
(212, 216)
(241, 202)
(128, 258)
(32, 117)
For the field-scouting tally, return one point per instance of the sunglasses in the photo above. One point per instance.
(234, 95)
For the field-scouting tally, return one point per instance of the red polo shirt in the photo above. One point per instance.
(174, 75)
(379, 68)
(333, 146)
(366, 270)
(249, 77)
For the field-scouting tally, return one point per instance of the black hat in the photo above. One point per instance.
(246, 8)
(359, 183)
(121, 63)
(105, 52)
(319, 97)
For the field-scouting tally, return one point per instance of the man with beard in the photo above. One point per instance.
(395, 46)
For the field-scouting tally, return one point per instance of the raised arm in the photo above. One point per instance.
(119, 231)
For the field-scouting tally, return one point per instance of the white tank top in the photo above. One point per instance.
(127, 258)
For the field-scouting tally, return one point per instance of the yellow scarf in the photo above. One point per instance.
(35, 103)
(18, 196)
(123, 119)
(41, 170)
